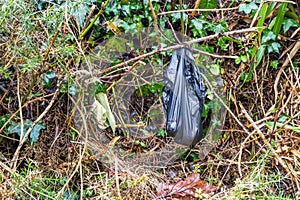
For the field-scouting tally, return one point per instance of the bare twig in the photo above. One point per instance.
(283, 1)
(177, 46)
(292, 54)
(195, 7)
(20, 104)
(5, 167)
(214, 55)
(15, 113)
(223, 103)
(52, 42)
(85, 128)
(195, 10)
(262, 136)
(155, 24)
(256, 14)
(94, 20)
(24, 138)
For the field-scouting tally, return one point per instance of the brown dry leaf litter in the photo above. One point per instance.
(189, 188)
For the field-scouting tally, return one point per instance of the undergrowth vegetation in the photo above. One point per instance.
(44, 45)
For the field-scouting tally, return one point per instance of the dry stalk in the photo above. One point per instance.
(195, 7)
(200, 10)
(24, 138)
(20, 105)
(24, 105)
(177, 46)
(155, 24)
(214, 55)
(262, 136)
(292, 54)
(85, 128)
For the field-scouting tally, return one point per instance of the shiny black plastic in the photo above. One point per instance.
(183, 98)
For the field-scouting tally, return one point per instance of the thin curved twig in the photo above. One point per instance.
(177, 46)
(24, 138)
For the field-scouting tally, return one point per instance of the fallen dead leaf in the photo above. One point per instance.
(189, 188)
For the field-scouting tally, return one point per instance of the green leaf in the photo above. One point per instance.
(274, 47)
(282, 125)
(283, 118)
(80, 12)
(246, 77)
(208, 4)
(142, 144)
(219, 28)
(177, 16)
(197, 23)
(238, 60)
(279, 18)
(15, 127)
(222, 43)
(267, 36)
(161, 133)
(47, 80)
(247, 8)
(206, 108)
(103, 111)
(34, 134)
(274, 64)
(262, 16)
(244, 58)
(72, 90)
(288, 23)
(99, 87)
(68, 88)
(260, 54)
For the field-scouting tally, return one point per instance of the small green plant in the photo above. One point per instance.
(248, 8)
(197, 168)
(242, 58)
(161, 133)
(146, 89)
(15, 127)
(47, 80)
(139, 143)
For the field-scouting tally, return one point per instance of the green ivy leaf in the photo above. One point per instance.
(197, 23)
(80, 12)
(222, 43)
(99, 87)
(34, 134)
(15, 127)
(274, 64)
(274, 47)
(268, 36)
(68, 88)
(177, 16)
(47, 80)
(248, 8)
(219, 28)
(208, 4)
(142, 144)
(288, 23)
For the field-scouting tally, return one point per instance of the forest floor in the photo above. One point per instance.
(51, 149)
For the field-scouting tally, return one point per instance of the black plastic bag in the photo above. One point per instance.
(183, 97)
